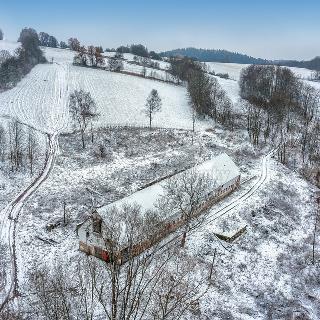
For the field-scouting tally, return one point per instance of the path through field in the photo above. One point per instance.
(40, 101)
(10, 216)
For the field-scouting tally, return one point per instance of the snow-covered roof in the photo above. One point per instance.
(221, 168)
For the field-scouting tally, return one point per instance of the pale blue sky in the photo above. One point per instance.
(268, 29)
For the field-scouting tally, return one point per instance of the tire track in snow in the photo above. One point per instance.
(12, 213)
(58, 99)
(264, 175)
(214, 215)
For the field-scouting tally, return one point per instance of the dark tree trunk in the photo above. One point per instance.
(82, 138)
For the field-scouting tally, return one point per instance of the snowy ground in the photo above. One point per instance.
(135, 157)
(9, 45)
(234, 70)
(121, 98)
(40, 99)
(129, 57)
(265, 273)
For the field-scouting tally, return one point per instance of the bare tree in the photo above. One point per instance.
(316, 75)
(16, 136)
(315, 229)
(158, 284)
(32, 148)
(50, 293)
(144, 71)
(74, 44)
(184, 194)
(94, 56)
(82, 57)
(199, 85)
(115, 64)
(91, 52)
(1, 34)
(254, 123)
(83, 110)
(4, 55)
(3, 266)
(152, 285)
(153, 105)
(3, 143)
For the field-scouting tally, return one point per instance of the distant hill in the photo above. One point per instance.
(313, 64)
(212, 55)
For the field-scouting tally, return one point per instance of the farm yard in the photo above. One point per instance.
(81, 178)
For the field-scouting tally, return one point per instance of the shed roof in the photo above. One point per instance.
(221, 168)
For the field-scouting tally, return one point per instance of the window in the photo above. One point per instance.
(96, 225)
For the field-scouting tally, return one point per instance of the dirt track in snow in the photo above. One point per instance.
(39, 101)
(10, 216)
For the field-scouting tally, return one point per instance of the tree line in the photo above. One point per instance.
(313, 64)
(205, 93)
(283, 109)
(89, 56)
(19, 147)
(13, 68)
(138, 50)
(224, 56)
(83, 111)
(212, 55)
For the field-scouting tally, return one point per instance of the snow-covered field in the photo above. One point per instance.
(121, 98)
(231, 87)
(40, 99)
(9, 45)
(60, 56)
(234, 70)
(129, 57)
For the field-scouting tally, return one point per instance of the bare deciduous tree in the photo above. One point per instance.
(158, 284)
(3, 142)
(115, 64)
(4, 55)
(74, 44)
(32, 148)
(254, 123)
(16, 135)
(153, 105)
(184, 195)
(83, 111)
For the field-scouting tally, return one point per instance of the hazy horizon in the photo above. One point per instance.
(268, 30)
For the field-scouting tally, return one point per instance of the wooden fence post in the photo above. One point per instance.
(213, 260)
